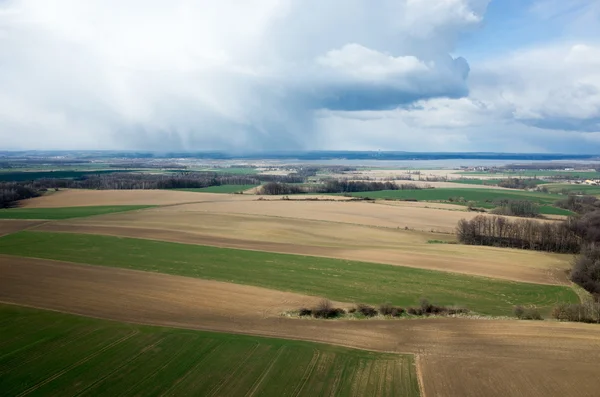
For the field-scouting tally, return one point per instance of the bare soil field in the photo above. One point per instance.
(456, 357)
(359, 213)
(8, 226)
(81, 198)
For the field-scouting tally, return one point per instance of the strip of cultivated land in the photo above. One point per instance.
(455, 356)
(348, 281)
(325, 238)
(49, 353)
(481, 197)
(66, 212)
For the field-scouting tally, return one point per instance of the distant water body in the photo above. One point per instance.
(427, 164)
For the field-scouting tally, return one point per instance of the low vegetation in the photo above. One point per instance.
(588, 312)
(340, 280)
(325, 310)
(522, 208)
(65, 212)
(49, 353)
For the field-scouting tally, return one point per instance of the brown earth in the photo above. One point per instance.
(82, 198)
(457, 357)
(8, 226)
(352, 212)
(326, 239)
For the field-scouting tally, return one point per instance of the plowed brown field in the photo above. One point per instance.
(10, 226)
(457, 357)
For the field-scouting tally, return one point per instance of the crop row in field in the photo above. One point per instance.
(482, 197)
(48, 353)
(220, 189)
(336, 279)
(65, 212)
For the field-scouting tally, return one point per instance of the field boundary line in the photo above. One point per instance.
(78, 363)
(266, 372)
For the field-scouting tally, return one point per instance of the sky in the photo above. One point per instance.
(267, 75)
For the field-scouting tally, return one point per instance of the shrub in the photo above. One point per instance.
(386, 309)
(305, 312)
(518, 311)
(397, 311)
(326, 310)
(366, 310)
(527, 313)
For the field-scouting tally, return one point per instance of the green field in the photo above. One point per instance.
(336, 279)
(48, 354)
(65, 212)
(482, 197)
(220, 189)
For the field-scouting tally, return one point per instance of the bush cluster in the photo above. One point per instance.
(326, 310)
(522, 208)
(588, 312)
(524, 313)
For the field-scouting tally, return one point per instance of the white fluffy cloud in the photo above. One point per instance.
(207, 75)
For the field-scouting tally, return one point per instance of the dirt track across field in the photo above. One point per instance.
(458, 357)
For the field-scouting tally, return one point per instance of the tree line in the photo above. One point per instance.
(334, 186)
(578, 234)
(499, 231)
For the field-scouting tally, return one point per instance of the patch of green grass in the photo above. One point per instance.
(65, 212)
(335, 279)
(483, 198)
(49, 353)
(220, 189)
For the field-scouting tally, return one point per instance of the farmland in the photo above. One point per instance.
(449, 350)
(65, 212)
(335, 279)
(574, 188)
(50, 353)
(203, 261)
(481, 197)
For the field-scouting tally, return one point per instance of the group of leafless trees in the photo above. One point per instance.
(334, 186)
(12, 192)
(518, 183)
(498, 231)
(522, 208)
(577, 235)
